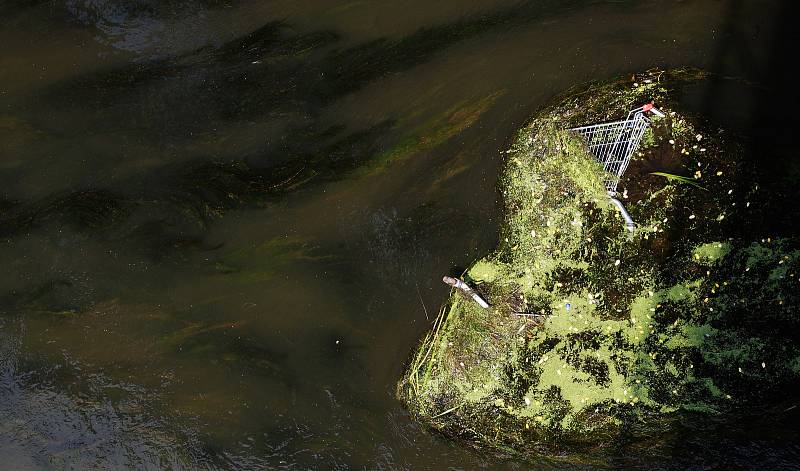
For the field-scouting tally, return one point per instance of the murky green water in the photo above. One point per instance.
(224, 224)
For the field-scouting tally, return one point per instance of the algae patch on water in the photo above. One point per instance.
(620, 333)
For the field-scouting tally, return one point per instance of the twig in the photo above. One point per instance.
(528, 314)
(287, 180)
(447, 411)
(423, 302)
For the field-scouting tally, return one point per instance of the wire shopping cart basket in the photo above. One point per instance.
(613, 144)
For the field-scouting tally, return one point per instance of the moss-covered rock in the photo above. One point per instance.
(594, 333)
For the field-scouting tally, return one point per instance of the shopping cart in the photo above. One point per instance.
(613, 144)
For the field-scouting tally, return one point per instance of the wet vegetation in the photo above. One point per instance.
(597, 338)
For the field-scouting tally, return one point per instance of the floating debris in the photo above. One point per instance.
(460, 285)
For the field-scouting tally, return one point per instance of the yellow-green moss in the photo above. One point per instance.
(620, 328)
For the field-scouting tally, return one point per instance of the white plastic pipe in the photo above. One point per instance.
(458, 284)
(629, 224)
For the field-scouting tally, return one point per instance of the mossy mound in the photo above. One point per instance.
(596, 335)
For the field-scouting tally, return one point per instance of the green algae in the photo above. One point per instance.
(431, 133)
(265, 260)
(711, 252)
(619, 330)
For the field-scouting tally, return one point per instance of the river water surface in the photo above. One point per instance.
(224, 223)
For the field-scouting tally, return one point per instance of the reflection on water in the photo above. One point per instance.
(223, 223)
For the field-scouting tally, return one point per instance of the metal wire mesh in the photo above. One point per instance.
(613, 144)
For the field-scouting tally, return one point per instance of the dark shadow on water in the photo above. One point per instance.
(175, 206)
(754, 94)
(268, 72)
